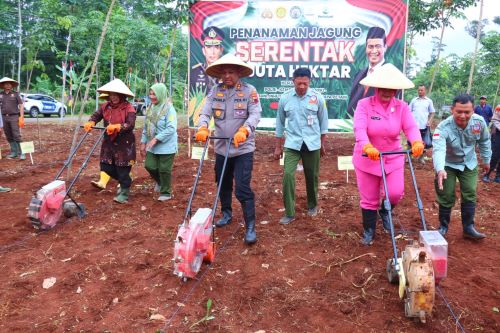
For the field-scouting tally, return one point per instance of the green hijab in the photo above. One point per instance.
(156, 111)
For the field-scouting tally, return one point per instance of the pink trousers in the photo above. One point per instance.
(371, 188)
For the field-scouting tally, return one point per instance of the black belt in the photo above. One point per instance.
(10, 114)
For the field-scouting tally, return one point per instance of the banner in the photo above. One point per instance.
(339, 40)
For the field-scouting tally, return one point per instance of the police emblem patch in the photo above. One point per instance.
(218, 113)
(476, 129)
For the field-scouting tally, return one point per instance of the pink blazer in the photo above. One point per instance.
(373, 124)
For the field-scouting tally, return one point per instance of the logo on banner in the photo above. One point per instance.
(295, 12)
(267, 14)
(280, 12)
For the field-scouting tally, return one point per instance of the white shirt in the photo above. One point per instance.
(420, 108)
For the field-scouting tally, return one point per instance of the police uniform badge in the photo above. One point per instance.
(218, 113)
(213, 39)
(476, 128)
(313, 99)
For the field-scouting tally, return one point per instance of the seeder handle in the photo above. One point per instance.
(95, 127)
(219, 185)
(394, 152)
(388, 208)
(420, 206)
(84, 165)
(198, 173)
(72, 154)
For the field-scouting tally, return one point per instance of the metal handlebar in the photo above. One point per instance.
(95, 127)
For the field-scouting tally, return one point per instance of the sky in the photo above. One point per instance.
(457, 40)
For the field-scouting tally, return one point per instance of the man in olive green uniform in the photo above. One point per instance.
(236, 109)
(454, 157)
(12, 108)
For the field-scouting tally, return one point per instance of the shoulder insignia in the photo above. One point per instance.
(254, 96)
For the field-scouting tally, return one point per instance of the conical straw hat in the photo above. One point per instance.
(8, 79)
(116, 86)
(389, 77)
(215, 69)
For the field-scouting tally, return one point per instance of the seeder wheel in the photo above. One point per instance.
(392, 274)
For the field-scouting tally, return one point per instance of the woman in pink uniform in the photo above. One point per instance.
(378, 121)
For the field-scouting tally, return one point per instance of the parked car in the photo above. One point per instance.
(36, 104)
(140, 105)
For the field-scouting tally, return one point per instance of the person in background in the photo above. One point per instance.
(3, 189)
(306, 132)
(378, 122)
(454, 156)
(12, 109)
(495, 147)
(236, 109)
(118, 147)
(484, 110)
(422, 109)
(159, 140)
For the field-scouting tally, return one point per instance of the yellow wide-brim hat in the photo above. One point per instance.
(8, 79)
(116, 86)
(389, 77)
(215, 69)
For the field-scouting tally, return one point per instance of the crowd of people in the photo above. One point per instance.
(301, 128)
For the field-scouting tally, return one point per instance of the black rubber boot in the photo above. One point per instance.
(369, 223)
(444, 220)
(249, 216)
(468, 212)
(226, 218)
(13, 150)
(384, 216)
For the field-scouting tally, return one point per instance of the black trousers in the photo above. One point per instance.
(495, 148)
(11, 127)
(120, 173)
(238, 168)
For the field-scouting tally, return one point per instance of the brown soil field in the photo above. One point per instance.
(113, 268)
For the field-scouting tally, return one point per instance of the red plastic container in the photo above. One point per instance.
(437, 246)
